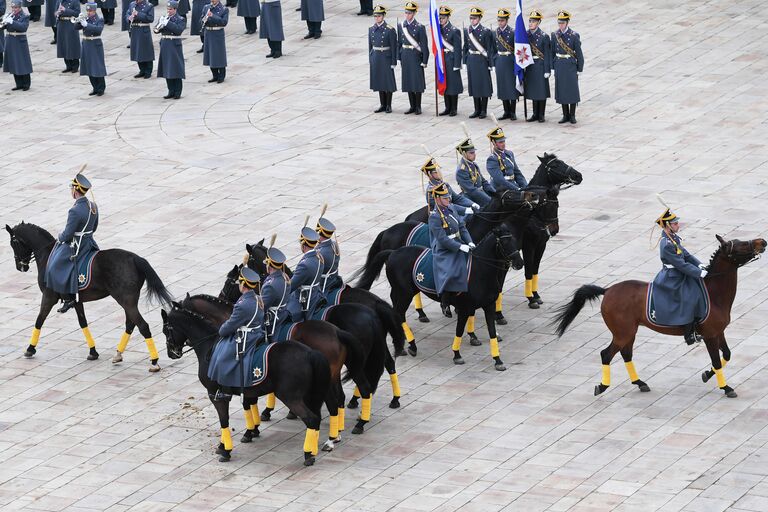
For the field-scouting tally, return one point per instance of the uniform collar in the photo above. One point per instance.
(503, 29)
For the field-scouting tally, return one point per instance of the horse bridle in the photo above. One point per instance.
(18, 259)
(168, 330)
(729, 253)
(570, 182)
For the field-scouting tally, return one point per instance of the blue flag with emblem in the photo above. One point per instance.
(523, 55)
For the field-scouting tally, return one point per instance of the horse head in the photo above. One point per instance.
(547, 211)
(554, 171)
(257, 253)
(740, 252)
(231, 289)
(507, 247)
(22, 252)
(175, 339)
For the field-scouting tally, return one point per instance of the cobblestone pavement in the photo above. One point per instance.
(674, 101)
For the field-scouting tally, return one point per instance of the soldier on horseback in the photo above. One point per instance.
(329, 250)
(678, 290)
(306, 296)
(73, 244)
(461, 204)
(240, 335)
(450, 243)
(471, 181)
(274, 292)
(504, 171)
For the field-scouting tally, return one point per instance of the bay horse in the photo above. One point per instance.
(489, 263)
(624, 309)
(339, 347)
(114, 272)
(298, 376)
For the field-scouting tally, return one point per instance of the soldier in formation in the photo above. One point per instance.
(453, 60)
(215, 19)
(68, 42)
(414, 56)
(92, 64)
(567, 63)
(16, 58)
(272, 27)
(140, 15)
(537, 74)
(504, 62)
(479, 54)
(171, 65)
(382, 58)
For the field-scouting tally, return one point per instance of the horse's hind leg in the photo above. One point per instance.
(132, 313)
(224, 449)
(123, 344)
(46, 304)
(400, 304)
(389, 364)
(312, 420)
(252, 419)
(606, 355)
(626, 354)
(713, 347)
(268, 408)
(419, 306)
(92, 354)
(708, 374)
(490, 314)
(332, 403)
(471, 330)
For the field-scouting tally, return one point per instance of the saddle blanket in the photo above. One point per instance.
(84, 270)
(424, 272)
(650, 305)
(260, 363)
(286, 331)
(419, 236)
(334, 296)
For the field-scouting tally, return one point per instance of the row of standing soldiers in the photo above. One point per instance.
(481, 50)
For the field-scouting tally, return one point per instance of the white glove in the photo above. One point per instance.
(84, 23)
(456, 69)
(703, 273)
(472, 245)
(423, 65)
(464, 248)
(546, 75)
(702, 266)
(578, 73)
(468, 212)
(475, 206)
(393, 66)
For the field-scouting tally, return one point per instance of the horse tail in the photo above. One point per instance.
(156, 290)
(372, 269)
(321, 380)
(568, 312)
(391, 322)
(372, 252)
(355, 355)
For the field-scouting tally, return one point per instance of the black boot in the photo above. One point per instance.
(278, 49)
(483, 108)
(447, 101)
(542, 109)
(388, 110)
(271, 49)
(573, 113)
(382, 103)
(410, 101)
(454, 104)
(566, 115)
(476, 113)
(444, 304)
(512, 109)
(506, 110)
(417, 103)
(67, 303)
(690, 335)
(535, 113)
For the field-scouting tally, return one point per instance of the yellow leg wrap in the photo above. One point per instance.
(720, 378)
(226, 438)
(395, 384)
(271, 401)
(498, 303)
(606, 381)
(249, 424)
(308, 438)
(365, 412)
(35, 337)
(535, 283)
(528, 288)
(88, 337)
(408, 332)
(723, 362)
(471, 324)
(417, 301)
(631, 371)
(255, 415)
(333, 431)
(316, 440)
(356, 392)
(456, 343)
(123, 342)
(341, 419)
(494, 347)
(152, 349)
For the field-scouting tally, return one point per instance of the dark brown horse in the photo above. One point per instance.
(624, 309)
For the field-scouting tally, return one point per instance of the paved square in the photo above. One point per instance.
(674, 101)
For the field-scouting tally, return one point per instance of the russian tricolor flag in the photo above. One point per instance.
(437, 47)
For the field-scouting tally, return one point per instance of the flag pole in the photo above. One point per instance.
(525, 106)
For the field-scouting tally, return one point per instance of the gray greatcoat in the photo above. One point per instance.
(382, 61)
(50, 13)
(196, 23)
(214, 44)
(61, 270)
(106, 4)
(460, 203)
(504, 171)
(330, 280)
(271, 21)
(2, 30)
(248, 8)
(312, 10)
(170, 64)
(472, 182)
(92, 54)
(67, 39)
(678, 290)
(275, 291)
(307, 273)
(449, 263)
(124, 23)
(479, 56)
(504, 62)
(16, 59)
(413, 60)
(142, 47)
(183, 8)
(567, 62)
(536, 86)
(453, 59)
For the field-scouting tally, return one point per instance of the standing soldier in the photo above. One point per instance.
(414, 56)
(272, 27)
(453, 58)
(140, 15)
(504, 62)
(382, 57)
(312, 12)
(107, 10)
(92, 64)
(567, 64)
(170, 65)
(50, 17)
(501, 165)
(479, 52)
(471, 181)
(249, 10)
(34, 7)
(16, 59)
(125, 25)
(2, 32)
(305, 283)
(537, 73)
(68, 42)
(214, 44)
(196, 26)
(366, 8)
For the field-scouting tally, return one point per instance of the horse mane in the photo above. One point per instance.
(718, 252)
(211, 298)
(540, 174)
(23, 226)
(195, 316)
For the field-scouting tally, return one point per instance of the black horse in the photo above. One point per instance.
(298, 376)
(115, 272)
(494, 253)
(339, 347)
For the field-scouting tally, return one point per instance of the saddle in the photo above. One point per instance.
(419, 236)
(84, 270)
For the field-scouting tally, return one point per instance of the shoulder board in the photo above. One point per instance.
(463, 166)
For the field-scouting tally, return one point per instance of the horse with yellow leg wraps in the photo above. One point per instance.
(624, 309)
(297, 375)
(112, 272)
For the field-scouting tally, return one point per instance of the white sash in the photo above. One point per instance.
(410, 38)
(476, 43)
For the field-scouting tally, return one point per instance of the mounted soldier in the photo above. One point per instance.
(306, 296)
(450, 243)
(501, 165)
(73, 244)
(679, 296)
(230, 364)
(471, 181)
(275, 292)
(461, 204)
(330, 281)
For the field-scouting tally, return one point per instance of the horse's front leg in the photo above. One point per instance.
(224, 449)
(471, 331)
(461, 321)
(252, 419)
(80, 310)
(490, 316)
(713, 348)
(46, 304)
(124, 339)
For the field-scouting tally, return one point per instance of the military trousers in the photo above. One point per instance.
(99, 84)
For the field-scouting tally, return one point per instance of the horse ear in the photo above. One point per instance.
(236, 268)
(9, 229)
(187, 297)
(542, 158)
(261, 242)
(164, 315)
(720, 239)
(248, 247)
(176, 304)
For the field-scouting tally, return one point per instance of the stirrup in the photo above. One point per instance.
(66, 306)
(220, 395)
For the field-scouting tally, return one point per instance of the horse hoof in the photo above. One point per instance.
(729, 392)
(500, 367)
(359, 429)
(249, 435)
(352, 403)
(424, 319)
(226, 457)
(458, 360)
(154, 368)
(266, 415)
(706, 375)
(500, 320)
(92, 355)
(30, 352)
(309, 459)
(290, 416)
(338, 439)
(533, 305)
(412, 349)
(474, 341)
(401, 352)
(328, 446)
(118, 358)
(644, 388)
(220, 449)
(395, 403)
(600, 388)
